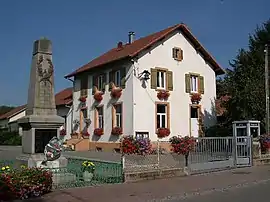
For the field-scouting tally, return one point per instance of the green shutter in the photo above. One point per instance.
(111, 79)
(170, 80)
(187, 83)
(94, 84)
(123, 77)
(153, 78)
(201, 84)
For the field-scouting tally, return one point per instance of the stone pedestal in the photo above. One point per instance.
(38, 131)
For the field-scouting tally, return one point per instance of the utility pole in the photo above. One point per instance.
(267, 87)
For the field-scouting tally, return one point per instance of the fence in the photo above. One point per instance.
(72, 175)
(209, 154)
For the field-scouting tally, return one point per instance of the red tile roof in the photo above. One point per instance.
(62, 98)
(133, 49)
(13, 112)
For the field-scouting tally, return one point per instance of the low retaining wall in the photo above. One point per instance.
(153, 174)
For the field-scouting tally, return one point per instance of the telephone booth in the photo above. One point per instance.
(244, 131)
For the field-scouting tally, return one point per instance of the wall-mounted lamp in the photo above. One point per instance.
(145, 75)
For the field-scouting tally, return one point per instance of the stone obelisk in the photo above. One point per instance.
(41, 122)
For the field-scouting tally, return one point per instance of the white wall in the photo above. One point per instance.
(66, 112)
(107, 102)
(144, 99)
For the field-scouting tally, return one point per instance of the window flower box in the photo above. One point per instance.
(163, 132)
(117, 131)
(163, 95)
(195, 98)
(98, 131)
(98, 96)
(116, 92)
(85, 135)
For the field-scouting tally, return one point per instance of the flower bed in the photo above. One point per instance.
(130, 145)
(265, 143)
(182, 145)
(24, 183)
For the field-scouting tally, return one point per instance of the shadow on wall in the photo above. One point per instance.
(210, 116)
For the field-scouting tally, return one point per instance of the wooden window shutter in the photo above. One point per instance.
(201, 84)
(94, 84)
(123, 77)
(104, 77)
(174, 53)
(111, 79)
(180, 56)
(187, 83)
(169, 75)
(153, 78)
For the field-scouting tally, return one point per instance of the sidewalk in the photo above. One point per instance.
(157, 190)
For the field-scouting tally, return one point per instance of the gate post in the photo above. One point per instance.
(251, 150)
(234, 152)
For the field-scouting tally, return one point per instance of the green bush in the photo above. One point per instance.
(218, 131)
(10, 138)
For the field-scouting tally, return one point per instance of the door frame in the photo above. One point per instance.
(198, 106)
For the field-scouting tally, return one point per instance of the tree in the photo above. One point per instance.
(4, 109)
(245, 82)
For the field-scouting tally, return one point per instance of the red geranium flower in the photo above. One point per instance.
(98, 131)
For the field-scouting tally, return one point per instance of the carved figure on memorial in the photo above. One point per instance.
(53, 150)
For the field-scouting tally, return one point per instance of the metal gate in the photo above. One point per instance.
(219, 153)
(243, 151)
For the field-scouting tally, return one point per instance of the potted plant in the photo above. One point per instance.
(265, 143)
(182, 145)
(98, 96)
(85, 135)
(196, 98)
(98, 131)
(82, 98)
(163, 94)
(163, 132)
(116, 131)
(88, 169)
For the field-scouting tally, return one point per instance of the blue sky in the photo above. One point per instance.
(83, 29)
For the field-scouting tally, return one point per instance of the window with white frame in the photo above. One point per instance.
(117, 78)
(141, 135)
(118, 115)
(161, 79)
(100, 117)
(100, 81)
(194, 87)
(162, 116)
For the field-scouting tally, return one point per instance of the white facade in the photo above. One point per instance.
(139, 100)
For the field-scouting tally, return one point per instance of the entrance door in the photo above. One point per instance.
(243, 151)
(194, 121)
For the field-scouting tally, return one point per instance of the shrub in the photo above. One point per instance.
(24, 183)
(10, 138)
(130, 145)
(218, 131)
